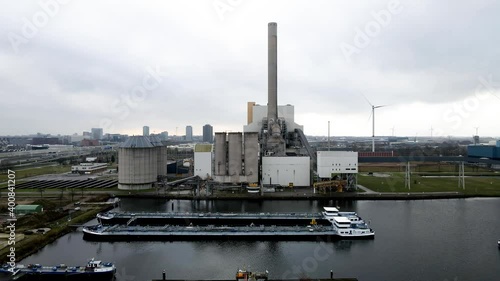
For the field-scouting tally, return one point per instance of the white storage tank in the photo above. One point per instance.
(137, 164)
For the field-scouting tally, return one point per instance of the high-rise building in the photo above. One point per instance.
(189, 133)
(145, 131)
(96, 133)
(208, 133)
(164, 135)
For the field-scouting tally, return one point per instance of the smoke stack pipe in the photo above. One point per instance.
(272, 72)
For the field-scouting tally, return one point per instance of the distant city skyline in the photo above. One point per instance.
(432, 69)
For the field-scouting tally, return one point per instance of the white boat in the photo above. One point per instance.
(331, 212)
(347, 224)
(346, 228)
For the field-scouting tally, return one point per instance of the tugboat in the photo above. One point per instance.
(94, 270)
(253, 188)
(243, 274)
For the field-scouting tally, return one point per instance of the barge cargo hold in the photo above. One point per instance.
(204, 219)
(251, 232)
(233, 219)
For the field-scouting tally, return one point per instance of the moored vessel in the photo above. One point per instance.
(186, 233)
(329, 224)
(345, 228)
(94, 270)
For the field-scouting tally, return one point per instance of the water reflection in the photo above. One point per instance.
(415, 240)
(343, 245)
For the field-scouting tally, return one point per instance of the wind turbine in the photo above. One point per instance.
(373, 121)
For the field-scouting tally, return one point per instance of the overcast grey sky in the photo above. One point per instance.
(67, 66)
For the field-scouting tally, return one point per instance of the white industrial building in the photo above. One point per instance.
(336, 162)
(89, 168)
(203, 161)
(286, 170)
(257, 113)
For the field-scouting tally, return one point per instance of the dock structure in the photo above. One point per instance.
(255, 276)
(304, 279)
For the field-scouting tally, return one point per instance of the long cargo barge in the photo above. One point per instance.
(233, 219)
(186, 233)
(329, 224)
(204, 219)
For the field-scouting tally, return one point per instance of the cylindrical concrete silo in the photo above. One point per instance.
(161, 149)
(138, 164)
(252, 157)
(220, 154)
(235, 154)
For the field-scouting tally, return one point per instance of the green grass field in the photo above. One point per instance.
(427, 168)
(487, 186)
(37, 171)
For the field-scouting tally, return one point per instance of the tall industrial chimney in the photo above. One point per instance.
(272, 72)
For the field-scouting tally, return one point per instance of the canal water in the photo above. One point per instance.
(454, 239)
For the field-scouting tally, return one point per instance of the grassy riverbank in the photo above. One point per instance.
(57, 222)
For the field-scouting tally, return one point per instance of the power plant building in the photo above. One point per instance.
(259, 113)
(271, 136)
